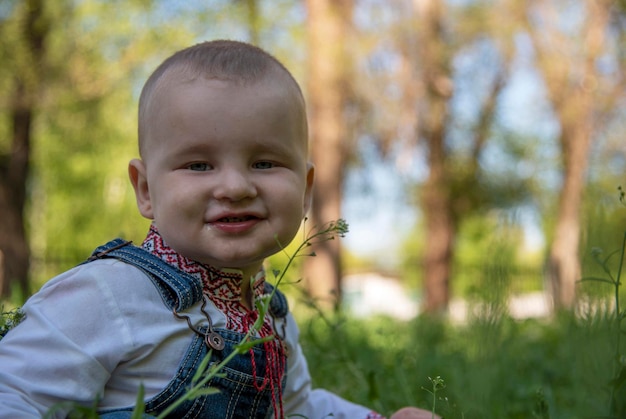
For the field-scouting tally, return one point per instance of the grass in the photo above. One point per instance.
(489, 368)
(572, 365)
(506, 368)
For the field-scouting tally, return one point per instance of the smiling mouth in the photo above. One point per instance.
(236, 219)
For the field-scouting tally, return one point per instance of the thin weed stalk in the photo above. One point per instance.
(619, 376)
(205, 372)
(437, 384)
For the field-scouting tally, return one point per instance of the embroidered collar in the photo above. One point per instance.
(223, 287)
(221, 284)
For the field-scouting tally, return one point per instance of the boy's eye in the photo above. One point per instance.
(199, 167)
(263, 165)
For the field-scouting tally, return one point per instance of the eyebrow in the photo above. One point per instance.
(289, 148)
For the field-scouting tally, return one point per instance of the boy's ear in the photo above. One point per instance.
(139, 179)
(308, 193)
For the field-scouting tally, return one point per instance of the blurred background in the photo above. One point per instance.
(475, 148)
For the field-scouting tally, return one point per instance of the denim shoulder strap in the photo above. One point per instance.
(178, 289)
(279, 306)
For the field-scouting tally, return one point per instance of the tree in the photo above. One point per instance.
(27, 69)
(582, 93)
(456, 185)
(328, 23)
(436, 80)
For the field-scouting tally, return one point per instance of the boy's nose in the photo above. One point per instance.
(234, 185)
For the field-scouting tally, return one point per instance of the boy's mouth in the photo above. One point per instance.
(236, 219)
(236, 224)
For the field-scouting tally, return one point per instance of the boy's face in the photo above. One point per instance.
(224, 172)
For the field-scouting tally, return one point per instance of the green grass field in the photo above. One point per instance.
(492, 367)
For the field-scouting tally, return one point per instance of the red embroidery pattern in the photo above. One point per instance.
(223, 288)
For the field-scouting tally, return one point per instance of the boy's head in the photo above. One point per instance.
(227, 60)
(223, 142)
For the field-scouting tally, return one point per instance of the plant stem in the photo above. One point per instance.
(205, 378)
(339, 227)
(619, 318)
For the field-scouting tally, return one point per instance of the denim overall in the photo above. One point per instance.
(237, 397)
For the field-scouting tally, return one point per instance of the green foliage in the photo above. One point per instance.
(569, 366)
(9, 319)
(617, 404)
(492, 369)
(487, 257)
(85, 130)
(604, 219)
(490, 258)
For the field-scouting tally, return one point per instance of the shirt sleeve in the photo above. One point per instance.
(56, 354)
(301, 399)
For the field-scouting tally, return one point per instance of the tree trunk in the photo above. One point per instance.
(437, 202)
(14, 167)
(327, 91)
(564, 261)
(14, 249)
(572, 82)
(440, 230)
